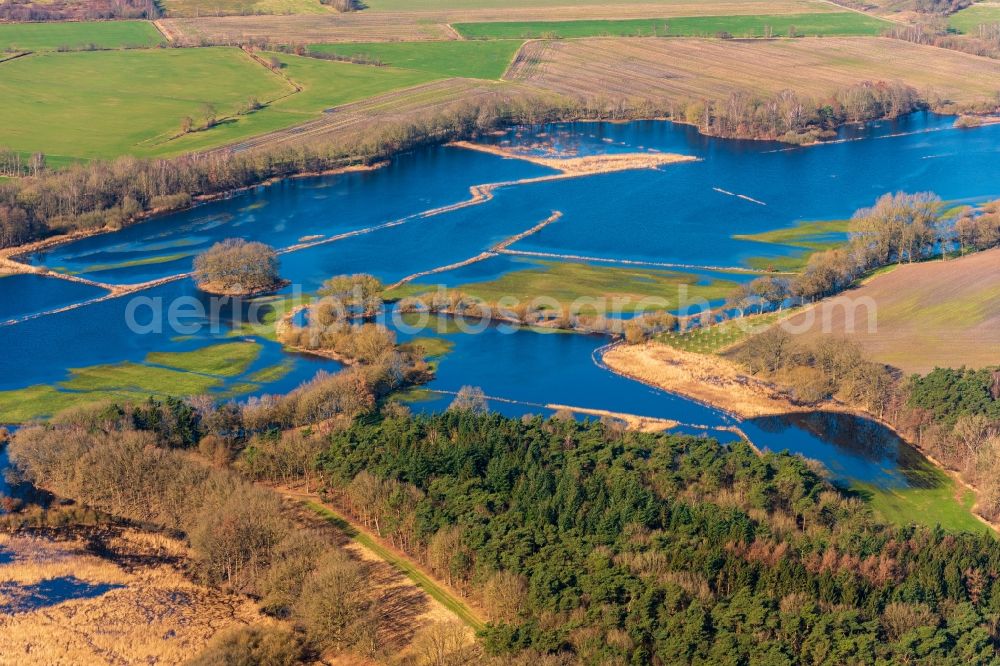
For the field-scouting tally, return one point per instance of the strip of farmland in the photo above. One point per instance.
(686, 69)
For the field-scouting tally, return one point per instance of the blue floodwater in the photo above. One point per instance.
(287, 212)
(547, 368)
(851, 448)
(682, 213)
(27, 598)
(5, 489)
(42, 350)
(27, 294)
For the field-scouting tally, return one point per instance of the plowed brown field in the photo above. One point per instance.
(401, 104)
(680, 69)
(944, 313)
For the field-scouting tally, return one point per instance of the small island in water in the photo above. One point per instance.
(235, 267)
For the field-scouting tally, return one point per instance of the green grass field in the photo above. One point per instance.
(568, 281)
(968, 20)
(109, 103)
(719, 337)
(324, 84)
(941, 501)
(838, 23)
(206, 370)
(99, 34)
(473, 60)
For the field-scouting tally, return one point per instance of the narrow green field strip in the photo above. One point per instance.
(423, 581)
(375, 6)
(838, 23)
(446, 59)
(78, 35)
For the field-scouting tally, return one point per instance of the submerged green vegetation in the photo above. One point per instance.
(811, 237)
(476, 60)
(566, 282)
(215, 369)
(778, 25)
(78, 35)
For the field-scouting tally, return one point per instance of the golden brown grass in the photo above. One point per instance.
(158, 617)
(942, 313)
(693, 69)
(390, 26)
(710, 379)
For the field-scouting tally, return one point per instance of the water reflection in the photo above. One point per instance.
(851, 447)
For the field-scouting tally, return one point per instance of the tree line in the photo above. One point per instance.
(899, 228)
(113, 194)
(985, 41)
(23, 11)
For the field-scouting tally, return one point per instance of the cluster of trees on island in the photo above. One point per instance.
(237, 267)
(584, 543)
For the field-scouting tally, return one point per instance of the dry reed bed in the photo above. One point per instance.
(712, 380)
(687, 69)
(157, 617)
(372, 26)
(587, 165)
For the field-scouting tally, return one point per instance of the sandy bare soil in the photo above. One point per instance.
(587, 165)
(679, 70)
(941, 313)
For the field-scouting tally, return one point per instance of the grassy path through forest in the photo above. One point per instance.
(394, 558)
